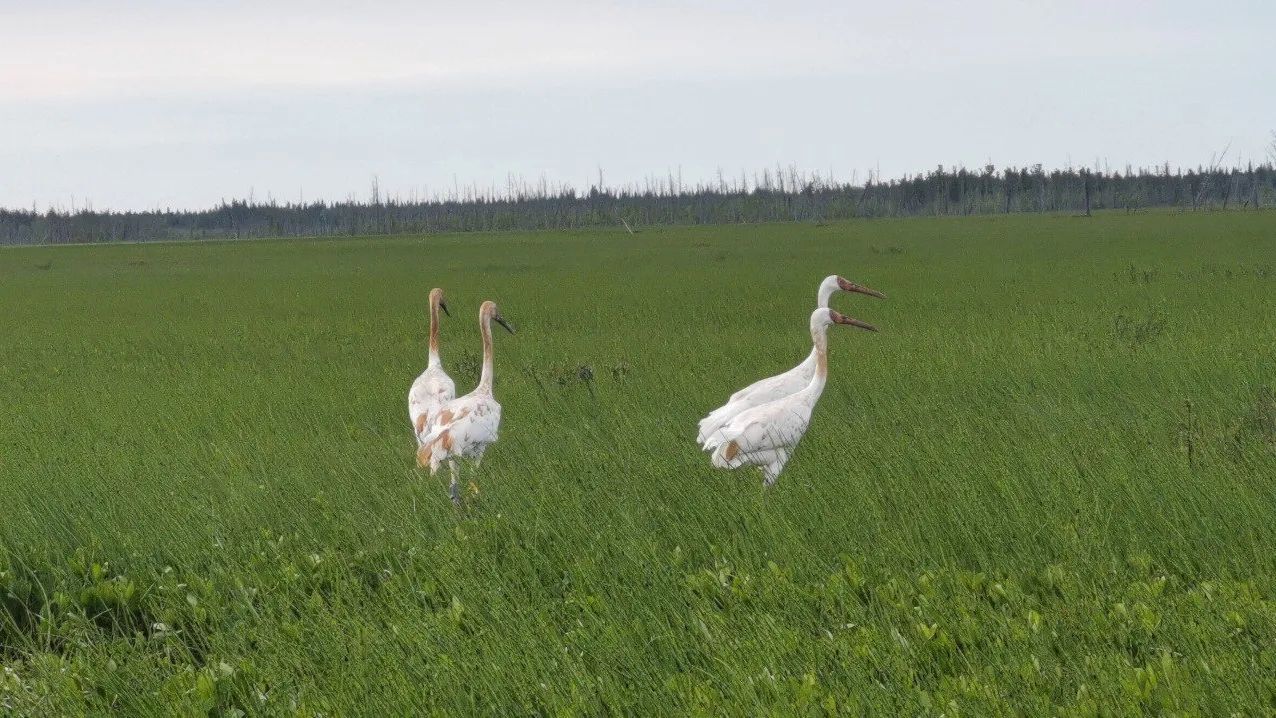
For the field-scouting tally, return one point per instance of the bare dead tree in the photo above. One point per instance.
(622, 221)
(1204, 189)
(1085, 174)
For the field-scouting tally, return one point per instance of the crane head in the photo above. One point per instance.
(843, 319)
(849, 286)
(436, 297)
(490, 309)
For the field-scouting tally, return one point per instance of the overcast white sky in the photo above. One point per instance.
(143, 103)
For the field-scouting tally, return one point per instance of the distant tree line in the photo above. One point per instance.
(775, 195)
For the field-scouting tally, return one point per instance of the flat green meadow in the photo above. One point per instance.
(1047, 486)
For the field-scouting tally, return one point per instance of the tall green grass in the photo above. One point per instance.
(208, 501)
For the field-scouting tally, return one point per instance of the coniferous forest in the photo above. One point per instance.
(777, 194)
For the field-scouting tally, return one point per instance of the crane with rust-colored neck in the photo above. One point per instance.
(433, 387)
(467, 425)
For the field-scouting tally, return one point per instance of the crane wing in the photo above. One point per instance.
(460, 427)
(430, 390)
(776, 425)
(775, 387)
(758, 393)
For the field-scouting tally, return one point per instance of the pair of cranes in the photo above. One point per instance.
(759, 425)
(447, 427)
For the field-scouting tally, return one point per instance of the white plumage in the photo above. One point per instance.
(465, 426)
(780, 385)
(433, 387)
(765, 435)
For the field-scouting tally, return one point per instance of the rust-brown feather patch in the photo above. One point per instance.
(732, 450)
(447, 417)
(420, 422)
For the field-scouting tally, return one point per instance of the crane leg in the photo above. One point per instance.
(453, 489)
(770, 473)
(473, 486)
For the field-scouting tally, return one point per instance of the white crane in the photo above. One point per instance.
(434, 387)
(766, 435)
(465, 426)
(780, 385)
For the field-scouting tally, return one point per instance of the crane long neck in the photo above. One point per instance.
(434, 331)
(825, 294)
(485, 379)
(820, 338)
(820, 355)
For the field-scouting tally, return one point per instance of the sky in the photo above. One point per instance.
(144, 104)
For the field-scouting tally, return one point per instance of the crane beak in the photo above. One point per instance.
(842, 319)
(853, 287)
(501, 320)
(443, 306)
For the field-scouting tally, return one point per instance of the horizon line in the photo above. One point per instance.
(517, 188)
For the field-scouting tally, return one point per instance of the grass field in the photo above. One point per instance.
(1048, 485)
